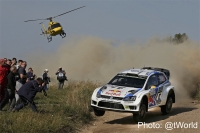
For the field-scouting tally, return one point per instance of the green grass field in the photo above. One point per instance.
(63, 110)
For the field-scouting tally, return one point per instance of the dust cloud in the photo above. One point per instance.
(93, 58)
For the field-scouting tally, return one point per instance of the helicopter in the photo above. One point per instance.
(54, 28)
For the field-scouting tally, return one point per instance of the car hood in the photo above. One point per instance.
(118, 91)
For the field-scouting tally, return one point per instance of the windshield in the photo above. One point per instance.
(55, 25)
(128, 81)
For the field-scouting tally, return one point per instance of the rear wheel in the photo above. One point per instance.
(141, 114)
(98, 112)
(165, 109)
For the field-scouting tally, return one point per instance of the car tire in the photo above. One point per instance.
(139, 117)
(98, 112)
(165, 109)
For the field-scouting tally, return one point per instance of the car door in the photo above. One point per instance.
(161, 80)
(152, 87)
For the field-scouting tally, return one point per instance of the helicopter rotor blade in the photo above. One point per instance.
(68, 12)
(41, 22)
(50, 18)
(42, 32)
(35, 20)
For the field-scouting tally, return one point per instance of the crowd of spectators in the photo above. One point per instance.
(17, 86)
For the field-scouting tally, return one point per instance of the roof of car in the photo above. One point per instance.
(139, 72)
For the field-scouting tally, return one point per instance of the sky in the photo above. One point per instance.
(115, 20)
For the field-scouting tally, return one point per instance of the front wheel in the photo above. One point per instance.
(141, 114)
(99, 112)
(165, 109)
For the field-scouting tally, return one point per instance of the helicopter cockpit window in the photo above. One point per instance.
(55, 25)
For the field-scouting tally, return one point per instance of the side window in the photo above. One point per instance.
(161, 78)
(152, 81)
(115, 81)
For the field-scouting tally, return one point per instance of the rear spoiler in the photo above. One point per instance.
(167, 73)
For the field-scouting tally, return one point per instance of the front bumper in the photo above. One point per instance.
(115, 105)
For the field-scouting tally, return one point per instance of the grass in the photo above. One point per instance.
(63, 110)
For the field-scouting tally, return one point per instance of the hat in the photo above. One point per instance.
(46, 70)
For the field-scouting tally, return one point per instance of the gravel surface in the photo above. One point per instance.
(187, 114)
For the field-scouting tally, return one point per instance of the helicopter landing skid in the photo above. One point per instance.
(49, 38)
(63, 34)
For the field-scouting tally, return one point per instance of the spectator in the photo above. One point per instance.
(46, 79)
(5, 59)
(18, 66)
(19, 63)
(30, 74)
(14, 61)
(22, 78)
(3, 79)
(34, 76)
(61, 77)
(27, 93)
(9, 62)
(10, 92)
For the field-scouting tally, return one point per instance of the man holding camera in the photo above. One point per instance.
(61, 77)
(27, 93)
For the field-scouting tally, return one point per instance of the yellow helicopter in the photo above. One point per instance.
(54, 28)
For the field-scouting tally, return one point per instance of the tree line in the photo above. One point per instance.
(179, 38)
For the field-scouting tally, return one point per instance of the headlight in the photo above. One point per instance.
(131, 98)
(133, 91)
(104, 87)
(100, 90)
(98, 94)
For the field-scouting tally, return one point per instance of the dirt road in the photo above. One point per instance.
(114, 122)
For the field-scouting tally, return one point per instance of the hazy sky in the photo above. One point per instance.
(118, 20)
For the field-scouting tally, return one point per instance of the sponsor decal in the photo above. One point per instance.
(154, 97)
(151, 101)
(113, 92)
(152, 92)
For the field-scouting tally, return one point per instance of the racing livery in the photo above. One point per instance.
(135, 91)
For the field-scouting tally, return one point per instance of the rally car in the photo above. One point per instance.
(135, 91)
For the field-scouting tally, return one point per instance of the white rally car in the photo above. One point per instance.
(135, 91)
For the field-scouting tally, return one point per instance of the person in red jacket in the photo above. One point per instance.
(4, 69)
